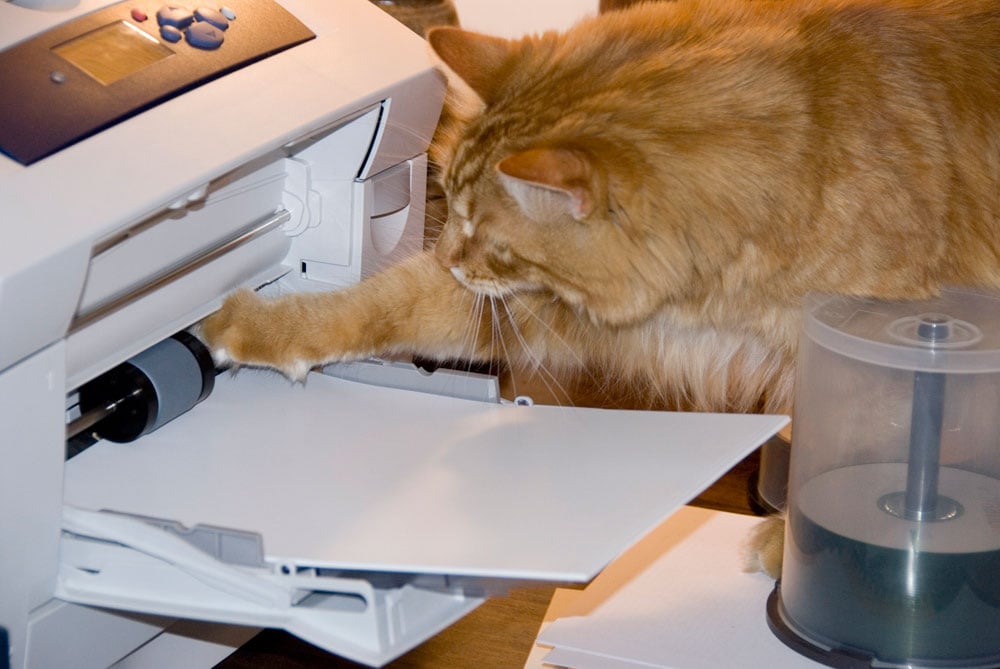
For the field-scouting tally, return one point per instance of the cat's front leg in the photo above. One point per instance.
(413, 307)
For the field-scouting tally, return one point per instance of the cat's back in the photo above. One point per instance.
(867, 120)
(642, 56)
(970, 28)
(949, 41)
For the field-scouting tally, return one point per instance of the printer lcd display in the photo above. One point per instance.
(112, 52)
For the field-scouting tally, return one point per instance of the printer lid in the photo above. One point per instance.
(336, 474)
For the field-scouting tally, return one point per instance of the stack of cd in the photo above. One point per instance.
(892, 551)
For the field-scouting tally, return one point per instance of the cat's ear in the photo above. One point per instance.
(547, 181)
(478, 60)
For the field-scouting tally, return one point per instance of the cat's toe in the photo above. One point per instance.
(221, 357)
(296, 371)
(225, 331)
(764, 547)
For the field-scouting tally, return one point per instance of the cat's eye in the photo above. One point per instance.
(502, 252)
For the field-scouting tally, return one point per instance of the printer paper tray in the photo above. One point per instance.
(373, 507)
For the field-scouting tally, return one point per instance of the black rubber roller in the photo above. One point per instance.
(147, 391)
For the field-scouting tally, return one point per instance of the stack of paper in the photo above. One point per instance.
(679, 599)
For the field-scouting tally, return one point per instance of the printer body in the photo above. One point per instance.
(302, 161)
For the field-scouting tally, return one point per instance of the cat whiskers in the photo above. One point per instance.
(433, 225)
(531, 312)
(548, 379)
(472, 350)
(496, 335)
(581, 366)
(471, 344)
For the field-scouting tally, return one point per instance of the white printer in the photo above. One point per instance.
(157, 156)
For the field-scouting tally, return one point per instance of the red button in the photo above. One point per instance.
(139, 15)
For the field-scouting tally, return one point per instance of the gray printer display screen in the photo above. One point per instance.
(113, 51)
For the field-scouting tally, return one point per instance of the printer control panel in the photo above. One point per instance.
(87, 74)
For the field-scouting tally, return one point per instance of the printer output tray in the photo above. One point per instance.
(355, 516)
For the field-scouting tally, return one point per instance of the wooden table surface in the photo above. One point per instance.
(497, 635)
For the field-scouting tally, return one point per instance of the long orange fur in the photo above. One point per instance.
(651, 194)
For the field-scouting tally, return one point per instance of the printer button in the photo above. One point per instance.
(171, 15)
(204, 36)
(171, 34)
(211, 16)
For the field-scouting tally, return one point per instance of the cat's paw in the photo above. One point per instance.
(228, 332)
(248, 331)
(764, 547)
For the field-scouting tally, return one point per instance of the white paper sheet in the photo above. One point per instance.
(678, 600)
(344, 475)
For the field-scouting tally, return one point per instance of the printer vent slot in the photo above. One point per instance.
(334, 601)
(156, 282)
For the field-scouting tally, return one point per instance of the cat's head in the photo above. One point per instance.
(533, 203)
(626, 164)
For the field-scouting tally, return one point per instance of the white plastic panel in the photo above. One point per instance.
(31, 420)
(120, 562)
(176, 302)
(63, 635)
(215, 214)
(343, 475)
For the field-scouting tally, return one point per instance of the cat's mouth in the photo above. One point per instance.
(486, 287)
(489, 288)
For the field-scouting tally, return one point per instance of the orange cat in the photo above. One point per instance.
(652, 193)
